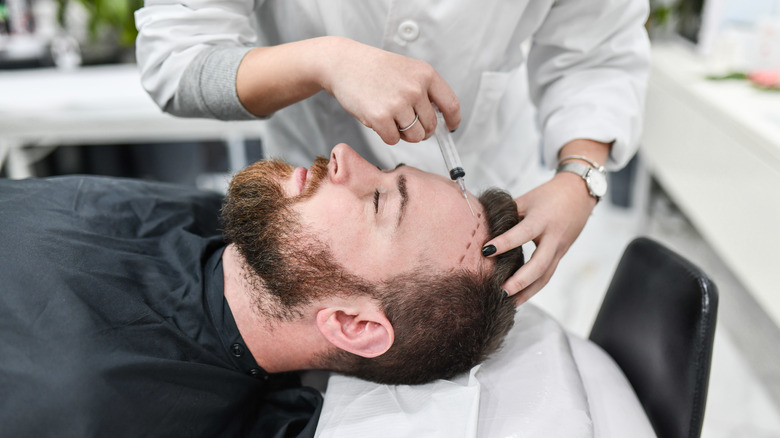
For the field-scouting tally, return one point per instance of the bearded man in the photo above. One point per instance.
(126, 311)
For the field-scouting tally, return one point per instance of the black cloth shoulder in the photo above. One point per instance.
(113, 320)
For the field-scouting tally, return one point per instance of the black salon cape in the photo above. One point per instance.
(113, 321)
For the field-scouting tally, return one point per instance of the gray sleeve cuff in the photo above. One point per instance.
(208, 86)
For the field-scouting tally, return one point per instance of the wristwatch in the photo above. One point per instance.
(595, 177)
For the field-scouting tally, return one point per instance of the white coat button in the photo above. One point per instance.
(408, 30)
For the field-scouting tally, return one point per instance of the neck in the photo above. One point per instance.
(277, 345)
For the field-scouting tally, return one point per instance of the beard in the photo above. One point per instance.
(286, 266)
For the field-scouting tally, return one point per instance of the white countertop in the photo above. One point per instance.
(714, 146)
(94, 105)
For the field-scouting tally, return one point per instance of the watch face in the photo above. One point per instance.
(597, 183)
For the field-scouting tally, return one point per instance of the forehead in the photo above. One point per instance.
(441, 222)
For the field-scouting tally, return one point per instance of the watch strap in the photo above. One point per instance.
(574, 167)
(585, 172)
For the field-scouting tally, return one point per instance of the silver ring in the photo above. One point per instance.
(410, 125)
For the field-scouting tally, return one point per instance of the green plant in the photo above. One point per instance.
(116, 14)
(661, 12)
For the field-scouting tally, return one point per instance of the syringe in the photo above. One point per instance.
(451, 157)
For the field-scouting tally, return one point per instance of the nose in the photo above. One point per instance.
(348, 167)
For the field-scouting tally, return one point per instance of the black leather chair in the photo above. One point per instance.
(658, 322)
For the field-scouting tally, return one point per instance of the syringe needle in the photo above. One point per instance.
(471, 209)
(462, 186)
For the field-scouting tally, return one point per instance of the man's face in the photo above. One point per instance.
(345, 227)
(378, 223)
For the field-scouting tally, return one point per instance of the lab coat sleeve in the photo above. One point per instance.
(588, 67)
(188, 53)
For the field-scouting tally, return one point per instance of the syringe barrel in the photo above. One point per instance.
(447, 146)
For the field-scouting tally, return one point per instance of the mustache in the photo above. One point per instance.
(318, 172)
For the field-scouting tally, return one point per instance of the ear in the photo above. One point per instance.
(359, 328)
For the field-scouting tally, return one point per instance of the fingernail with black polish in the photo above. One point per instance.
(488, 250)
(453, 131)
(506, 294)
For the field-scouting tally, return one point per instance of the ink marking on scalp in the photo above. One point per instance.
(468, 246)
(473, 232)
(461, 258)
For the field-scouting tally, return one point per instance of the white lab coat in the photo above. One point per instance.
(583, 63)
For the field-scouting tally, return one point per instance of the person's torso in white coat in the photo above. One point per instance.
(478, 48)
(480, 59)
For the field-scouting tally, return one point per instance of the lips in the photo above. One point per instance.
(300, 175)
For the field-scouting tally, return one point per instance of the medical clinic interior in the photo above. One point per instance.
(670, 284)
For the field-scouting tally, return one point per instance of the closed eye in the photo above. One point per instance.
(376, 201)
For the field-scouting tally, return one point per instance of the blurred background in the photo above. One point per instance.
(706, 181)
(71, 102)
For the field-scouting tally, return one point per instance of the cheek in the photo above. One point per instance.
(339, 226)
(360, 254)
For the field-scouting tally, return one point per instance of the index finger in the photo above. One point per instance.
(525, 231)
(445, 99)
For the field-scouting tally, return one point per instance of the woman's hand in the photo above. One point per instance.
(553, 215)
(386, 91)
(383, 90)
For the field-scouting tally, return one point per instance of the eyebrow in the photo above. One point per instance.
(401, 182)
(404, 198)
